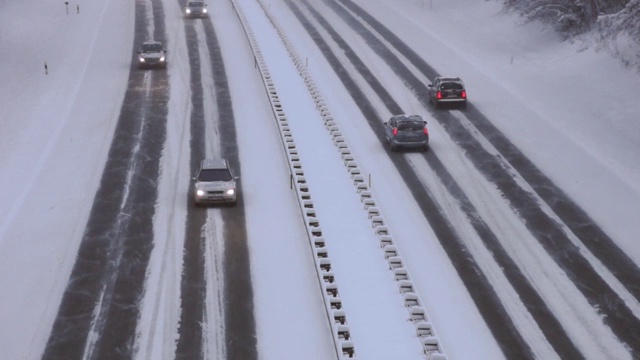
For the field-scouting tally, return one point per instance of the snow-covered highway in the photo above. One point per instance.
(517, 229)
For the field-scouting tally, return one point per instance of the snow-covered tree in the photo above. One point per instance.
(620, 32)
(570, 16)
(627, 20)
(617, 22)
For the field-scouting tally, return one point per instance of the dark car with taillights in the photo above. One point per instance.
(447, 90)
(407, 131)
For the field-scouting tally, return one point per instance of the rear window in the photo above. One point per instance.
(451, 86)
(215, 175)
(410, 125)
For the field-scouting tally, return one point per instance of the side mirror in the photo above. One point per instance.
(385, 123)
(425, 122)
(430, 85)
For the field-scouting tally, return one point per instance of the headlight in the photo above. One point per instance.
(162, 59)
(231, 192)
(141, 59)
(188, 11)
(204, 11)
(200, 192)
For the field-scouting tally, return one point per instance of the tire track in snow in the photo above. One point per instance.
(98, 314)
(193, 287)
(240, 327)
(239, 324)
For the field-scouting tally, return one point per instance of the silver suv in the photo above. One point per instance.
(214, 182)
(195, 9)
(152, 54)
(407, 131)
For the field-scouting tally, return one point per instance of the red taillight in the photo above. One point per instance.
(395, 131)
(426, 132)
(463, 94)
(439, 95)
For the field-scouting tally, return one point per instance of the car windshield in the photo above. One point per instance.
(451, 86)
(215, 175)
(151, 47)
(410, 125)
(195, 4)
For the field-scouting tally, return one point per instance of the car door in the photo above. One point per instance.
(433, 89)
(388, 128)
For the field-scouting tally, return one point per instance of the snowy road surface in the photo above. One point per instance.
(517, 229)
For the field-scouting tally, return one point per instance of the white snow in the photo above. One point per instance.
(572, 110)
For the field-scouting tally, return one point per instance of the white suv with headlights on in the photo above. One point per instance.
(214, 183)
(152, 54)
(195, 9)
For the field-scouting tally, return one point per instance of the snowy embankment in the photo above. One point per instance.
(56, 129)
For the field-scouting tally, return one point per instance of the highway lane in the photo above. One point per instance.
(98, 314)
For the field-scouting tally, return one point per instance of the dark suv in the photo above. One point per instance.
(407, 131)
(447, 90)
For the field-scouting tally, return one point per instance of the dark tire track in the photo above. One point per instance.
(240, 338)
(193, 285)
(512, 343)
(119, 330)
(240, 326)
(549, 233)
(113, 256)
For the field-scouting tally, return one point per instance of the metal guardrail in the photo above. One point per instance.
(345, 348)
(336, 315)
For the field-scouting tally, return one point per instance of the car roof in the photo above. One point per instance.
(214, 164)
(407, 117)
(452, 79)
